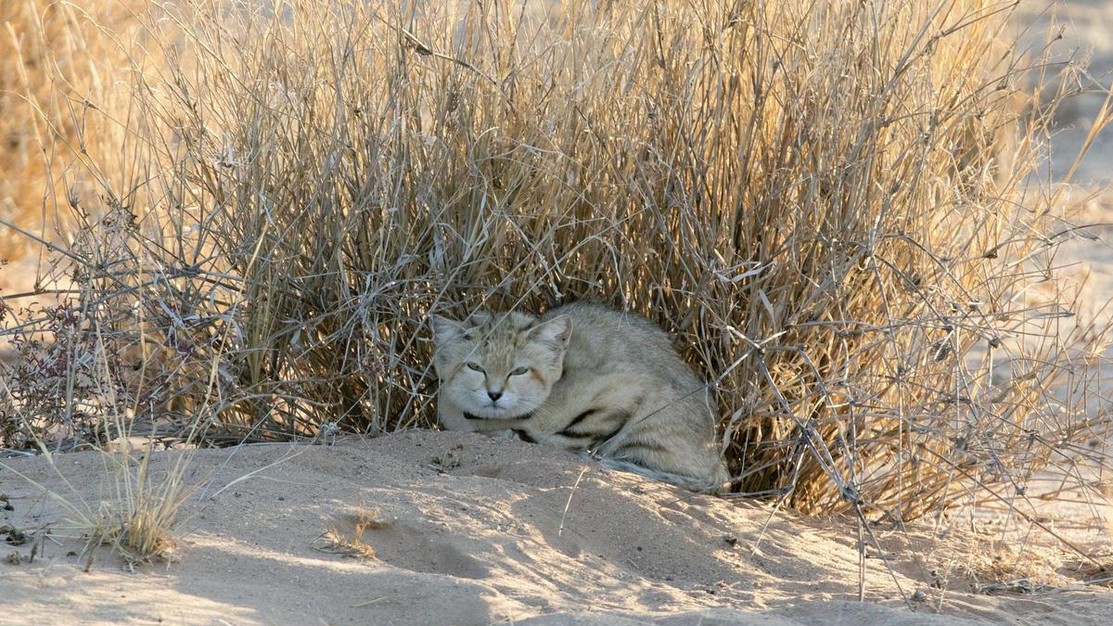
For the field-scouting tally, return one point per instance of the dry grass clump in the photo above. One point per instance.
(137, 511)
(832, 205)
(345, 536)
(138, 522)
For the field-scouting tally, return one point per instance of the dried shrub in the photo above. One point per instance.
(834, 208)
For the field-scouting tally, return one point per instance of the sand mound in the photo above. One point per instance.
(470, 530)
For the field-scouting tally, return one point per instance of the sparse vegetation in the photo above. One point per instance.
(835, 207)
(345, 537)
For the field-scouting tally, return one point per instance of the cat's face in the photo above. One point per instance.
(499, 366)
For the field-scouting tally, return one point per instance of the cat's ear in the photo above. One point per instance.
(444, 329)
(556, 331)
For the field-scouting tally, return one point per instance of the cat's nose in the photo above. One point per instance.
(494, 394)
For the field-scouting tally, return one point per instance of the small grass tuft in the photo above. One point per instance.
(346, 536)
(138, 524)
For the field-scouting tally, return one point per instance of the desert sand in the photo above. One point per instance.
(471, 530)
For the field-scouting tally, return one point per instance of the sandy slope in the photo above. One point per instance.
(478, 531)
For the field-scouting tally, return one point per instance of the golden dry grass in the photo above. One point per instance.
(346, 535)
(835, 207)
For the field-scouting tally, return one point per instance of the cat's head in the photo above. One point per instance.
(499, 365)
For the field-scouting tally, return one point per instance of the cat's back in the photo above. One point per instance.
(608, 339)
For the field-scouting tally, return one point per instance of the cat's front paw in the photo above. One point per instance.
(504, 434)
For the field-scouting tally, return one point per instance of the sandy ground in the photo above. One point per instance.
(472, 530)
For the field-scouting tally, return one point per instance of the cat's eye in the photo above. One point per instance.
(474, 366)
(518, 371)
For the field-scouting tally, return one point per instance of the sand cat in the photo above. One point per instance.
(582, 377)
